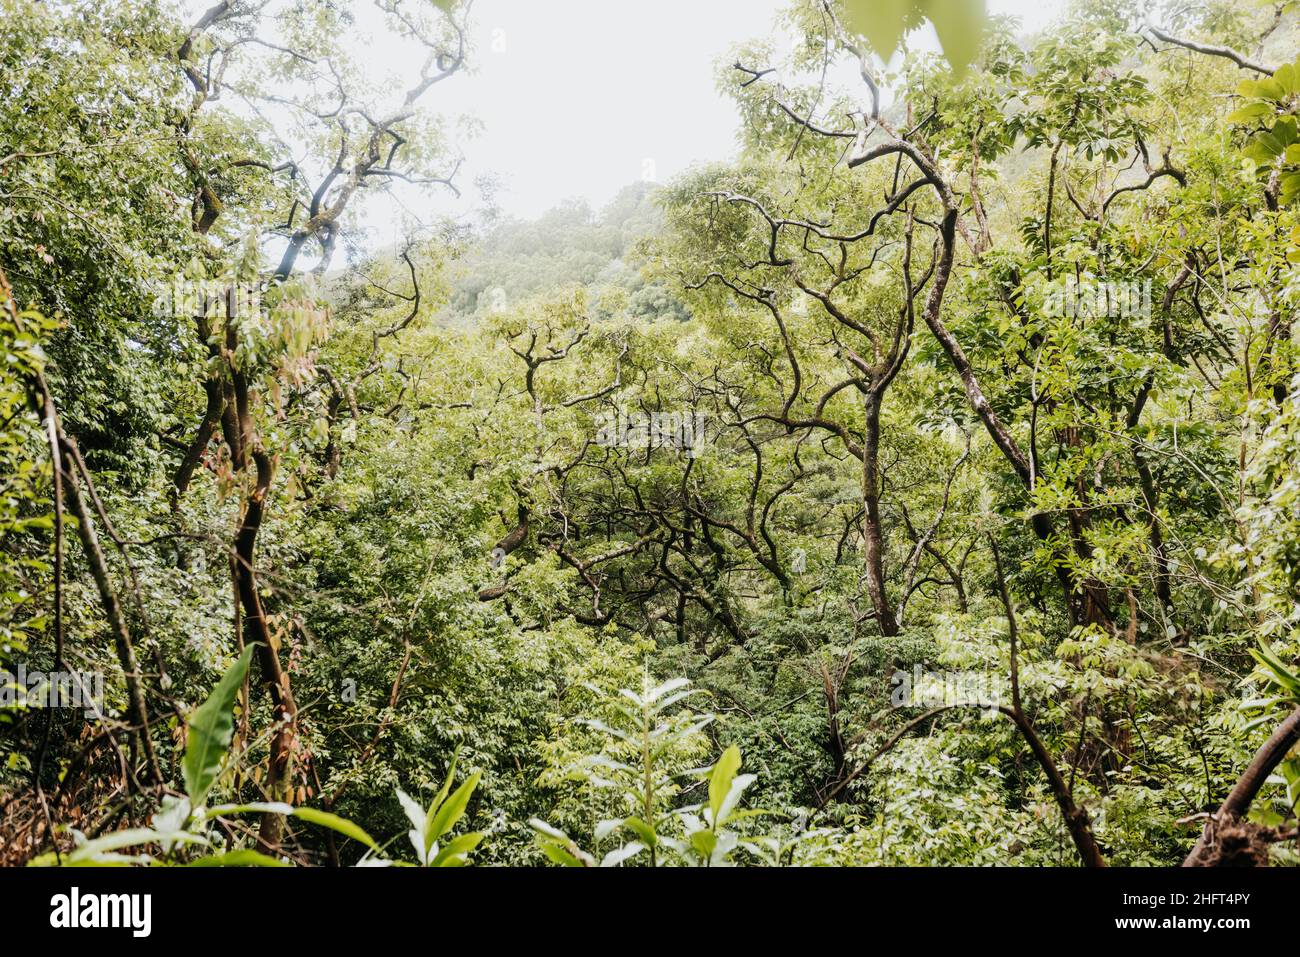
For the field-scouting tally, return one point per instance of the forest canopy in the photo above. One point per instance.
(918, 486)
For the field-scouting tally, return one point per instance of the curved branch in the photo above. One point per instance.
(1210, 50)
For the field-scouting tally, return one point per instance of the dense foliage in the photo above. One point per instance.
(920, 487)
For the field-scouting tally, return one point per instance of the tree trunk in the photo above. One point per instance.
(1238, 801)
(872, 534)
(279, 779)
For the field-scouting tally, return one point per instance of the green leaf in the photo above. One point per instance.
(101, 850)
(1289, 188)
(882, 22)
(560, 856)
(1269, 88)
(642, 829)
(211, 726)
(1286, 76)
(446, 784)
(241, 858)
(557, 846)
(446, 816)
(171, 818)
(454, 852)
(1251, 111)
(720, 779)
(960, 25)
(734, 794)
(670, 685)
(704, 842)
(414, 813)
(547, 830)
(253, 807)
(1282, 675)
(335, 823)
(625, 853)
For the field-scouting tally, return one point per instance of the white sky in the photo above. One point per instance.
(578, 98)
(581, 97)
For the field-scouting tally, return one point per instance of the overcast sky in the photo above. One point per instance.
(581, 97)
(578, 98)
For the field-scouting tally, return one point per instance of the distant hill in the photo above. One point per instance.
(570, 244)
